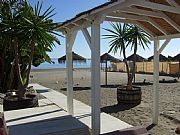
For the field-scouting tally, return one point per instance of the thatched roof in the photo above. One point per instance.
(157, 17)
(107, 57)
(138, 58)
(176, 58)
(75, 57)
(169, 57)
(161, 58)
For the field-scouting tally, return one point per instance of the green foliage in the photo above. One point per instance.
(137, 36)
(123, 36)
(118, 37)
(30, 32)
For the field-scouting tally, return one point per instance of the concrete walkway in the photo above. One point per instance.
(52, 117)
(82, 111)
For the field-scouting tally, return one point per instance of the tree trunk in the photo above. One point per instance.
(18, 72)
(179, 70)
(129, 83)
(1, 71)
(134, 62)
(30, 60)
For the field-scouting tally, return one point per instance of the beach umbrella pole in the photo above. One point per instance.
(179, 70)
(106, 73)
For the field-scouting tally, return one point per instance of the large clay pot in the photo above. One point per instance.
(11, 102)
(129, 96)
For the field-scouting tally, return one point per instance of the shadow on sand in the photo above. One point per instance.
(88, 88)
(151, 126)
(78, 88)
(117, 108)
(110, 86)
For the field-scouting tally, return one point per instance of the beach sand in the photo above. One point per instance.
(140, 115)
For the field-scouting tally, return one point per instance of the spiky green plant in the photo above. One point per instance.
(31, 33)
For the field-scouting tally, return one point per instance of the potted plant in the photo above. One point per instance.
(122, 36)
(30, 34)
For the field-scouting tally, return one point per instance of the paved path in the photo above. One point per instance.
(82, 111)
(52, 117)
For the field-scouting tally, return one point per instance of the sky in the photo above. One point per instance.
(67, 9)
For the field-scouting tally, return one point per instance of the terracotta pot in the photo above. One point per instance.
(129, 96)
(11, 102)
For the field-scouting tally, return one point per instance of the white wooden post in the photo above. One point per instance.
(70, 37)
(95, 77)
(156, 83)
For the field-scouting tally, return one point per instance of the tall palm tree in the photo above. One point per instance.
(118, 43)
(136, 37)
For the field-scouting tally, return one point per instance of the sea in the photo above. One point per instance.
(57, 65)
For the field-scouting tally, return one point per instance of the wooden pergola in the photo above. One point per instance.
(160, 18)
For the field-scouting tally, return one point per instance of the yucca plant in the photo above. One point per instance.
(123, 36)
(32, 34)
(118, 43)
(136, 37)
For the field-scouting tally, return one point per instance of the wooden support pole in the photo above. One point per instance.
(70, 37)
(156, 83)
(95, 77)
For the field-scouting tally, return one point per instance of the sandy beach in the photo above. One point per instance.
(137, 116)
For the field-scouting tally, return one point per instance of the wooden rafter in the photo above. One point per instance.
(131, 22)
(156, 6)
(173, 3)
(140, 18)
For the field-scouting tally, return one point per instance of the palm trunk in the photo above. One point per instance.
(134, 62)
(18, 72)
(1, 71)
(11, 77)
(129, 83)
(30, 60)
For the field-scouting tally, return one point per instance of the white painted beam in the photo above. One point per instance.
(156, 25)
(134, 10)
(70, 38)
(172, 36)
(158, 14)
(95, 77)
(156, 6)
(156, 83)
(87, 36)
(173, 3)
(113, 19)
(152, 34)
(170, 21)
(164, 46)
(140, 18)
(131, 22)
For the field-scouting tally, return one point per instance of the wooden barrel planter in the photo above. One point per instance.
(129, 96)
(12, 102)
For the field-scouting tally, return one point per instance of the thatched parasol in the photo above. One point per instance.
(104, 59)
(176, 58)
(75, 57)
(162, 58)
(138, 58)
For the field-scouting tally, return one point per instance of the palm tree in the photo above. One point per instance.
(122, 36)
(32, 33)
(136, 37)
(118, 43)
